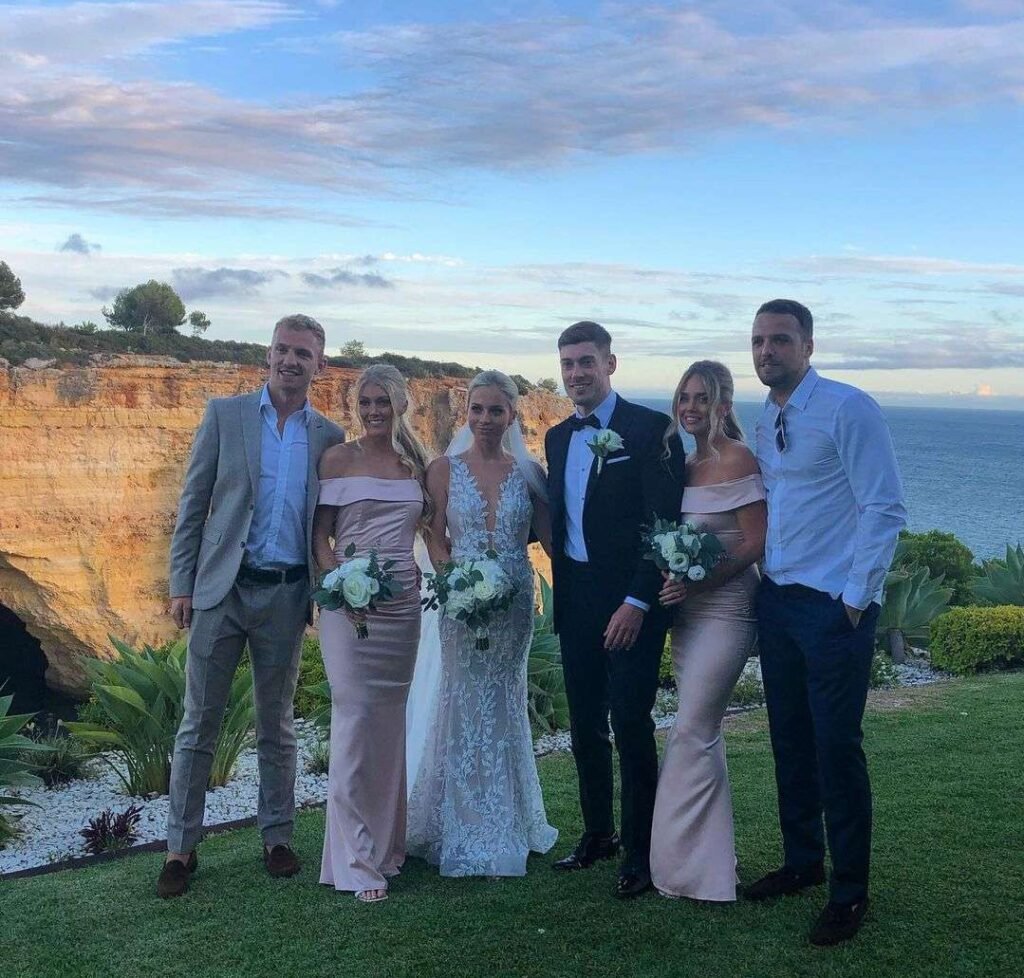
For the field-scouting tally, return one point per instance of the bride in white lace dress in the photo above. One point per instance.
(476, 807)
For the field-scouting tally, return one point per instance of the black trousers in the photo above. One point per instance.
(621, 684)
(816, 668)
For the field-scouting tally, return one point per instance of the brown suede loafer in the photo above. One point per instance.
(281, 861)
(175, 876)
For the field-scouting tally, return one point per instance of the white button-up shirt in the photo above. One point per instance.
(835, 497)
(578, 462)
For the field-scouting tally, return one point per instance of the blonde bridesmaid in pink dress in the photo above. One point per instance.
(692, 844)
(371, 495)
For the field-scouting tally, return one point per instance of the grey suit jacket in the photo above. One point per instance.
(219, 496)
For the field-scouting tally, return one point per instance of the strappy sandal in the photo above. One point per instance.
(363, 896)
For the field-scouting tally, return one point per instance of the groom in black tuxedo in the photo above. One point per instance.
(606, 613)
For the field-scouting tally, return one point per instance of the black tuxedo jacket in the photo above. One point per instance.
(626, 497)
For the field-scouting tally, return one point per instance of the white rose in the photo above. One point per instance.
(356, 564)
(609, 440)
(356, 590)
(696, 573)
(666, 544)
(485, 590)
(332, 578)
(678, 563)
(459, 601)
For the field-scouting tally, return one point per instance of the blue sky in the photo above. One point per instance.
(461, 180)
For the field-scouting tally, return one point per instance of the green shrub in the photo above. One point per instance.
(308, 694)
(57, 759)
(666, 673)
(319, 760)
(946, 557)
(142, 697)
(748, 690)
(1001, 582)
(971, 639)
(883, 674)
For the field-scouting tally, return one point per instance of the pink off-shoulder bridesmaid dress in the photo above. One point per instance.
(364, 843)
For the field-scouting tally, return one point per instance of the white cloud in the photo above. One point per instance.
(79, 109)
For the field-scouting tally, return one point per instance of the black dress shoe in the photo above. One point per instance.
(588, 851)
(174, 876)
(838, 922)
(783, 882)
(631, 883)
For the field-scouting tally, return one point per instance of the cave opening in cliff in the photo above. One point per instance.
(23, 673)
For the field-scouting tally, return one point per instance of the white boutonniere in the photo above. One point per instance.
(604, 442)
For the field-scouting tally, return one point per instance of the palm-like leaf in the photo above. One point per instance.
(548, 705)
(1002, 581)
(15, 770)
(142, 694)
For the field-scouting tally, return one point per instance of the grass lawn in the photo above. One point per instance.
(947, 900)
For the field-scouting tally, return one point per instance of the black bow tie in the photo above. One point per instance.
(578, 424)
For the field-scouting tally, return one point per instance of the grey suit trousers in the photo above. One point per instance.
(271, 618)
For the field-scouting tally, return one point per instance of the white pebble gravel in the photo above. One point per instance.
(50, 833)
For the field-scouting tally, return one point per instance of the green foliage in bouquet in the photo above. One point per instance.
(357, 583)
(966, 640)
(548, 705)
(913, 598)
(142, 696)
(945, 557)
(1002, 581)
(690, 548)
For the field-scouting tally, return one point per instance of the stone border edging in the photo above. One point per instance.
(82, 862)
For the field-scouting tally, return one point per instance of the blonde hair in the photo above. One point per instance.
(411, 451)
(494, 378)
(300, 322)
(720, 388)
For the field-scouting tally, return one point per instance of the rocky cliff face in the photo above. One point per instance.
(91, 463)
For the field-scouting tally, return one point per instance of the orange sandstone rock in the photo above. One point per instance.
(91, 464)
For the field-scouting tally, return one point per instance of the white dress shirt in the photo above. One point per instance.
(578, 462)
(835, 497)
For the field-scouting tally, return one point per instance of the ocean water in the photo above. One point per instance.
(963, 470)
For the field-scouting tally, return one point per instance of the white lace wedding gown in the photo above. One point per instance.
(476, 807)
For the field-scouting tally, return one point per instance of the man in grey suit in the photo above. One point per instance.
(242, 572)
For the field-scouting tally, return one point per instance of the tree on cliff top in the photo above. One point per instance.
(151, 307)
(11, 295)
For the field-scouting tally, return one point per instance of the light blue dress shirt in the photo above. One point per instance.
(835, 496)
(578, 463)
(277, 535)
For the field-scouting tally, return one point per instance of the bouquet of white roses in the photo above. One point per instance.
(471, 590)
(682, 550)
(359, 584)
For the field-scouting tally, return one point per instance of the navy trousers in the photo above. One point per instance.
(816, 668)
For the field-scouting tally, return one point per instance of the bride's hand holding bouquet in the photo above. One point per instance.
(471, 590)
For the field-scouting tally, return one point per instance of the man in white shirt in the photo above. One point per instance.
(835, 509)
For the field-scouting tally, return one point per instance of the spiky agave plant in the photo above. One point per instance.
(912, 599)
(1001, 582)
